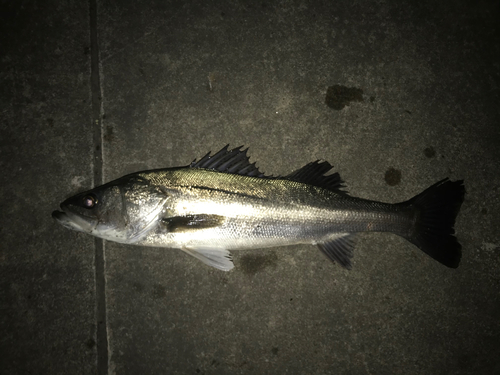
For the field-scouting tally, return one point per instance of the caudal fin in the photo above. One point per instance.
(436, 209)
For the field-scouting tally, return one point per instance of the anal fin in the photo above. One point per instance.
(214, 257)
(339, 249)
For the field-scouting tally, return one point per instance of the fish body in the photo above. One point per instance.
(222, 203)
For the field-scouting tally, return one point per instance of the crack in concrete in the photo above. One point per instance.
(98, 175)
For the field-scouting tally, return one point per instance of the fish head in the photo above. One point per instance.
(99, 212)
(121, 211)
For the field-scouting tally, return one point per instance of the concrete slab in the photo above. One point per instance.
(47, 275)
(180, 80)
(397, 96)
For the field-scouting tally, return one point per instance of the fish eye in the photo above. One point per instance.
(89, 201)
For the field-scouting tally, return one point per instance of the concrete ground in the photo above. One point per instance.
(396, 95)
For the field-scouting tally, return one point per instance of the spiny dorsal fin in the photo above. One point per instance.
(314, 174)
(233, 161)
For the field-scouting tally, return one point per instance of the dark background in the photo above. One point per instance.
(90, 91)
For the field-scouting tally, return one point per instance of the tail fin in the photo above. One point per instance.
(436, 209)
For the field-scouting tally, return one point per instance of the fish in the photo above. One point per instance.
(222, 202)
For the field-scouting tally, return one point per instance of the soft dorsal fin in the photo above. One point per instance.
(233, 161)
(314, 174)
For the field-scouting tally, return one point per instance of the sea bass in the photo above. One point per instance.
(222, 202)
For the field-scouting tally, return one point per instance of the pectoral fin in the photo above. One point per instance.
(218, 258)
(191, 222)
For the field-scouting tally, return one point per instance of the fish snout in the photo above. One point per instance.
(73, 221)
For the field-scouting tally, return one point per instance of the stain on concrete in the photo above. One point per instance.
(274, 351)
(109, 134)
(159, 291)
(251, 264)
(90, 343)
(430, 152)
(138, 287)
(224, 280)
(392, 176)
(337, 96)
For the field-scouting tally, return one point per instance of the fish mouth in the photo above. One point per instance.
(74, 221)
